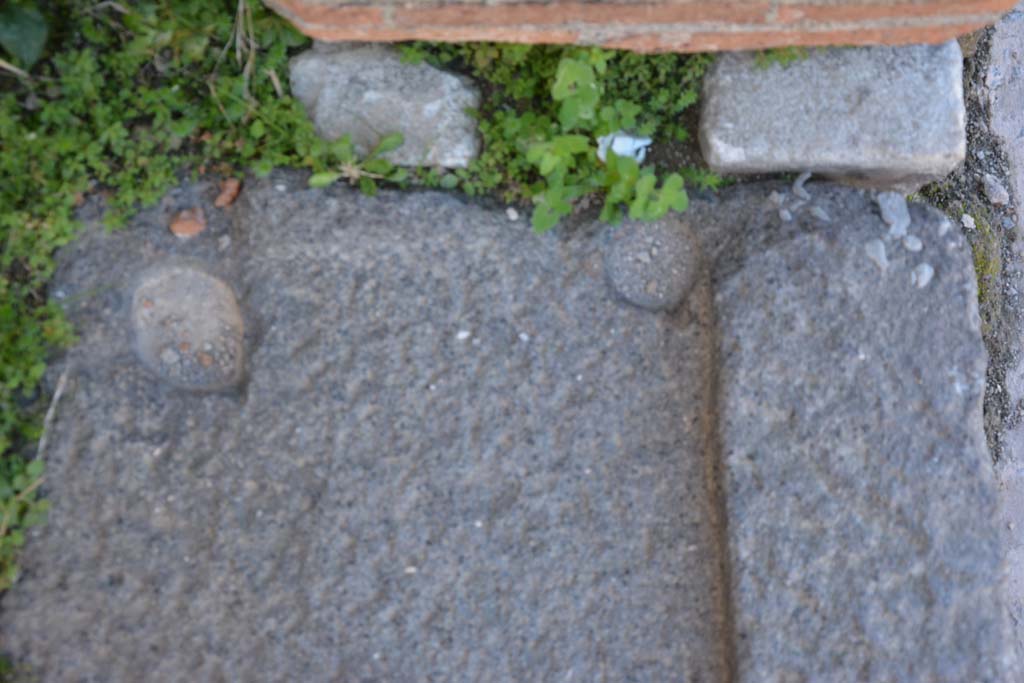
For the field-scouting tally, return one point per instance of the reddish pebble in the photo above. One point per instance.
(229, 189)
(188, 223)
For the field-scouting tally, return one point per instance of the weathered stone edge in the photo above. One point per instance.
(705, 25)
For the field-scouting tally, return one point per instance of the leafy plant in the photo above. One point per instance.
(543, 111)
(20, 510)
(363, 172)
(23, 31)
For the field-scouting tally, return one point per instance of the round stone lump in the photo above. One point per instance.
(188, 328)
(651, 265)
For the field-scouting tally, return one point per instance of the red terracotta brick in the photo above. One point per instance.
(864, 12)
(587, 13)
(647, 25)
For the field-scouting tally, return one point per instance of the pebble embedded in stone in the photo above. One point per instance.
(188, 223)
(922, 275)
(188, 328)
(875, 250)
(968, 221)
(821, 214)
(912, 243)
(798, 186)
(512, 214)
(994, 190)
(893, 207)
(785, 215)
(651, 265)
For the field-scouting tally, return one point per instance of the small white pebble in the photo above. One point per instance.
(968, 221)
(512, 214)
(523, 337)
(1011, 526)
(462, 335)
(579, 378)
(912, 243)
(281, 188)
(785, 215)
(479, 524)
(821, 214)
(922, 275)
(776, 198)
(411, 570)
(476, 341)
(876, 252)
(798, 186)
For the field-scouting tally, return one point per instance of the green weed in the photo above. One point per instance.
(544, 108)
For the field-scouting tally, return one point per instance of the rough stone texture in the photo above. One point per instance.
(880, 117)
(1005, 83)
(859, 488)
(188, 328)
(367, 92)
(646, 25)
(652, 265)
(437, 470)
(1004, 95)
(460, 456)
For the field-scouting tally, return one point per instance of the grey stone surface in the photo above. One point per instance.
(886, 117)
(367, 92)
(188, 328)
(459, 455)
(1004, 80)
(1004, 96)
(652, 265)
(859, 489)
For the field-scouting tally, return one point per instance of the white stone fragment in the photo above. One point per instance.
(922, 275)
(994, 190)
(875, 250)
(893, 207)
(462, 335)
(967, 221)
(821, 214)
(512, 214)
(912, 243)
(798, 186)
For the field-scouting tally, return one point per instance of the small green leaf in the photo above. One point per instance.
(23, 32)
(388, 143)
(367, 186)
(323, 179)
(257, 129)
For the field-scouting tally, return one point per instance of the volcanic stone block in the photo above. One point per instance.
(368, 92)
(887, 117)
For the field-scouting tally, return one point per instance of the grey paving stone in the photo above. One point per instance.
(859, 487)
(366, 91)
(885, 117)
(458, 455)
